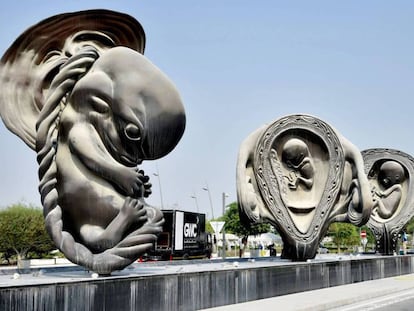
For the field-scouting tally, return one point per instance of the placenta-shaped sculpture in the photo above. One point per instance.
(389, 173)
(300, 175)
(77, 89)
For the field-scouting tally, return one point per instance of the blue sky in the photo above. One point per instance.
(241, 64)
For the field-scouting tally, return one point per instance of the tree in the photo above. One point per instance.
(234, 225)
(209, 227)
(344, 234)
(22, 229)
(410, 226)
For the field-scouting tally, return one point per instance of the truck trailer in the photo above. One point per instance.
(184, 236)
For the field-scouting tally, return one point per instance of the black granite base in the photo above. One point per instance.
(200, 289)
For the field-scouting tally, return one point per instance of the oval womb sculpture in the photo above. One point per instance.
(390, 173)
(300, 175)
(77, 89)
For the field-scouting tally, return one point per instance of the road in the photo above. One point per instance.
(399, 301)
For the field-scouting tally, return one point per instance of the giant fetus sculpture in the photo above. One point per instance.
(300, 175)
(390, 174)
(77, 89)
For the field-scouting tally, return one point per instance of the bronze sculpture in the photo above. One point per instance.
(390, 174)
(77, 89)
(300, 175)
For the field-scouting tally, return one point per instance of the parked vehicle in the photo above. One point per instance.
(322, 249)
(183, 237)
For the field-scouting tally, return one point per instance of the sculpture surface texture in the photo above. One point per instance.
(300, 175)
(390, 173)
(77, 90)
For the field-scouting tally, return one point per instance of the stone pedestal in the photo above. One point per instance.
(172, 286)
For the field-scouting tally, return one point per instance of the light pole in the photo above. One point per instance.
(224, 196)
(196, 202)
(211, 202)
(157, 174)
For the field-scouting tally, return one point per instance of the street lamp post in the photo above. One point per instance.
(211, 202)
(196, 202)
(157, 174)
(224, 196)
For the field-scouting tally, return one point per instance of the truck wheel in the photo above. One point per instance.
(186, 256)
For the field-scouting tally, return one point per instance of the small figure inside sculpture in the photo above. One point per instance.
(390, 177)
(297, 158)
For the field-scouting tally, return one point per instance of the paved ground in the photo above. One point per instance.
(46, 272)
(64, 273)
(384, 293)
